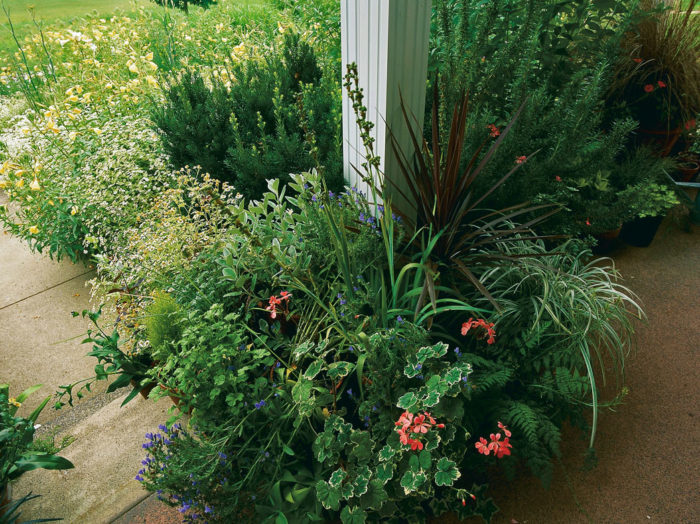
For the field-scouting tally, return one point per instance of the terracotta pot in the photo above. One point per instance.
(5, 499)
(606, 241)
(176, 397)
(687, 171)
(146, 390)
(664, 139)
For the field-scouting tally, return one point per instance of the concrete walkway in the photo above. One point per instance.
(40, 343)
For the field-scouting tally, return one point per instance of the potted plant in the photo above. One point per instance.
(130, 367)
(657, 75)
(16, 455)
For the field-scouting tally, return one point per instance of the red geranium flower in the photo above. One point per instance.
(638, 60)
(648, 88)
(661, 83)
(520, 159)
(482, 446)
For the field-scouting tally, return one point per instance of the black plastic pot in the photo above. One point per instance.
(639, 232)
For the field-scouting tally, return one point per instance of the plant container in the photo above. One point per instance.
(640, 231)
(687, 171)
(663, 139)
(606, 241)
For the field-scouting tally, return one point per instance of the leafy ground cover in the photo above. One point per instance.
(336, 359)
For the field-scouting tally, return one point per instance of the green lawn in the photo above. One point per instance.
(51, 12)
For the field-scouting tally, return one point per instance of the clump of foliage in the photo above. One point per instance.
(546, 60)
(656, 73)
(184, 4)
(278, 115)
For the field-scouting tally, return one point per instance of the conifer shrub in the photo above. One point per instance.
(280, 115)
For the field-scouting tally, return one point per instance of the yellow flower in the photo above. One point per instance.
(133, 68)
(51, 125)
(13, 402)
(34, 186)
(19, 183)
(73, 98)
(74, 210)
(3, 183)
(151, 81)
(72, 135)
(51, 202)
(97, 131)
(78, 89)
(33, 230)
(149, 56)
(152, 66)
(26, 130)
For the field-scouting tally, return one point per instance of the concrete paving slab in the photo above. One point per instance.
(40, 342)
(150, 511)
(107, 455)
(24, 273)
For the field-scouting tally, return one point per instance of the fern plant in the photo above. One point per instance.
(565, 324)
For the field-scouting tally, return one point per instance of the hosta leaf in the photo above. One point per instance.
(407, 401)
(313, 370)
(355, 515)
(446, 473)
(328, 496)
(386, 453)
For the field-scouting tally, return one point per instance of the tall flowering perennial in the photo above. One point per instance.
(480, 323)
(499, 447)
(409, 426)
(274, 302)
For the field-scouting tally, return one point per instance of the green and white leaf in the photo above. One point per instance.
(446, 473)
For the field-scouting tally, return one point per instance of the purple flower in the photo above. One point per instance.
(314, 199)
(458, 352)
(331, 195)
(349, 392)
(139, 478)
(260, 404)
(399, 319)
(350, 348)
(278, 364)
(162, 427)
(222, 456)
(419, 366)
(149, 436)
(147, 445)
(207, 509)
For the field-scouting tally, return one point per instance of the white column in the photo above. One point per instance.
(388, 40)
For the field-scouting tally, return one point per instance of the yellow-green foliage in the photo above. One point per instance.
(161, 323)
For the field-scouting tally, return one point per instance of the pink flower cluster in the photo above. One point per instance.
(274, 302)
(410, 426)
(493, 130)
(499, 447)
(480, 322)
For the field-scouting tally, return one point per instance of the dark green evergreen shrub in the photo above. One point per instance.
(280, 115)
(184, 4)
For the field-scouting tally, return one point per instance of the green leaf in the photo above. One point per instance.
(328, 496)
(386, 453)
(361, 481)
(376, 495)
(302, 349)
(281, 519)
(289, 451)
(301, 391)
(355, 515)
(340, 369)
(313, 370)
(411, 481)
(436, 351)
(337, 478)
(362, 451)
(407, 401)
(446, 473)
(385, 472)
(425, 459)
(431, 399)
(412, 367)
(453, 376)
